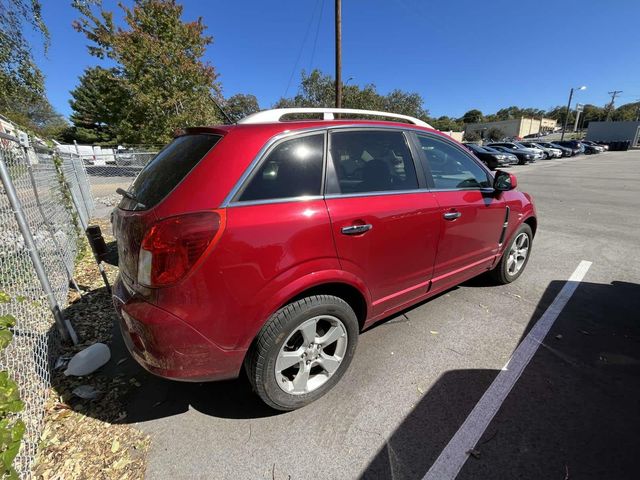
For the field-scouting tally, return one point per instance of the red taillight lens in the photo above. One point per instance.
(172, 247)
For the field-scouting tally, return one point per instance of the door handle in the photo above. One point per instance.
(452, 215)
(356, 229)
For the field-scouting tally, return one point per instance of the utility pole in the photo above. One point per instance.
(613, 94)
(338, 53)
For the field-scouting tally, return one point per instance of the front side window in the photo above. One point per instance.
(292, 169)
(450, 167)
(372, 161)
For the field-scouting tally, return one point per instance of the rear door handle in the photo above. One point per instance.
(356, 229)
(452, 215)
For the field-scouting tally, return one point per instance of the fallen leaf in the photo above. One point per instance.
(115, 446)
(474, 453)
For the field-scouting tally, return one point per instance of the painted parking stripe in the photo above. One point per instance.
(454, 455)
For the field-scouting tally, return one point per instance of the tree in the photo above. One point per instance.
(471, 136)
(22, 97)
(318, 90)
(240, 105)
(592, 113)
(98, 103)
(446, 124)
(158, 66)
(559, 113)
(472, 116)
(628, 112)
(494, 134)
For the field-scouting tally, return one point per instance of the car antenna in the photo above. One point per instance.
(223, 112)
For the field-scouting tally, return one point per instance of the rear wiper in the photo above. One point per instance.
(130, 196)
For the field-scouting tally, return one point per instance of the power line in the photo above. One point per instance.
(304, 40)
(315, 40)
(613, 94)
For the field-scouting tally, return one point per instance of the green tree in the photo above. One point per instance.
(495, 134)
(158, 65)
(628, 112)
(472, 116)
(446, 124)
(559, 113)
(318, 90)
(591, 113)
(22, 97)
(98, 103)
(240, 105)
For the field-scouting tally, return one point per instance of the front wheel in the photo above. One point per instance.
(302, 351)
(515, 256)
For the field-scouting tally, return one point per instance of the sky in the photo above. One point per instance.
(458, 55)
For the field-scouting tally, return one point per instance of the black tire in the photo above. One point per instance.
(261, 360)
(500, 273)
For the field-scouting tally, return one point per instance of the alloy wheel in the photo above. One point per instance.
(311, 354)
(518, 254)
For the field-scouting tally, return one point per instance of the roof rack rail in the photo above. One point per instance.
(274, 115)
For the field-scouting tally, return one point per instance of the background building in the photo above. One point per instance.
(517, 127)
(614, 132)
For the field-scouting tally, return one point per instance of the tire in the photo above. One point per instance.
(504, 273)
(286, 388)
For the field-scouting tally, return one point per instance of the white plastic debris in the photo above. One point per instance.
(86, 392)
(88, 360)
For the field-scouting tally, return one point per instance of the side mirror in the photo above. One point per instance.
(504, 181)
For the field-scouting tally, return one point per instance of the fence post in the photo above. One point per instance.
(85, 225)
(64, 326)
(79, 183)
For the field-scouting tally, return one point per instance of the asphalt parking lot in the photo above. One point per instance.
(572, 413)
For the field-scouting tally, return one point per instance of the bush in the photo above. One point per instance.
(11, 428)
(495, 134)
(471, 137)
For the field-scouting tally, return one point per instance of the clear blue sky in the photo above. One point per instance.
(457, 55)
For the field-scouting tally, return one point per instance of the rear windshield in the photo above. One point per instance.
(167, 169)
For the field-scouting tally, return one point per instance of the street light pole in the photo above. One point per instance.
(566, 118)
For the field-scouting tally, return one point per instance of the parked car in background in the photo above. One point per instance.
(490, 157)
(591, 149)
(603, 145)
(549, 152)
(269, 245)
(523, 156)
(576, 147)
(600, 148)
(565, 151)
(537, 152)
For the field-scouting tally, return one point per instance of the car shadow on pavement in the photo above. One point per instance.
(572, 414)
(140, 396)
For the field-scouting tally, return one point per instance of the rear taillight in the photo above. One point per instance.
(173, 246)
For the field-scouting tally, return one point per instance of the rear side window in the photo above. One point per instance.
(372, 161)
(292, 169)
(451, 168)
(168, 168)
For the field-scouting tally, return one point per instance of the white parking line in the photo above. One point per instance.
(454, 455)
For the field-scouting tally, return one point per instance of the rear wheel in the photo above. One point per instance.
(302, 351)
(515, 256)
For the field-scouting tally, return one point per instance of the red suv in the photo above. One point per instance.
(272, 244)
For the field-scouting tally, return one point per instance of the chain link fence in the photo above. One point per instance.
(45, 203)
(110, 168)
